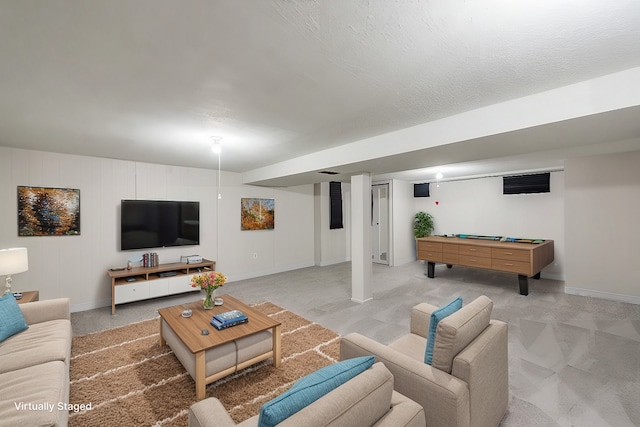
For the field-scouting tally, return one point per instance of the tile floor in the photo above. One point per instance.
(573, 361)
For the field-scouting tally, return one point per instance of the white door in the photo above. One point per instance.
(380, 223)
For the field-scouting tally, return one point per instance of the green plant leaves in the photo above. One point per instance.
(422, 225)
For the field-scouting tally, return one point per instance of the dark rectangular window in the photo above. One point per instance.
(520, 184)
(335, 197)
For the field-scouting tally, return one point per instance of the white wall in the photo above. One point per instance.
(601, 223)
(402, 213)
(596, 215)
(477, 206)
(76, 266)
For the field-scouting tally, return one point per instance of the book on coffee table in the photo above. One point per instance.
(229, 319)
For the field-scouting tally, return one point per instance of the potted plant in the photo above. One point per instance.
(422, 225)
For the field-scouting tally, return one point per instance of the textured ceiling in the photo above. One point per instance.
(154, 80)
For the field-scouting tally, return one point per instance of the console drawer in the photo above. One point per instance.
(449, 248)
(519, 267)
(510, 254)
(475, 261)
(179, 284)
(158, 288)
(430, 256)
(429, 246)
(131, 292)
(478, 251)
(450, 258)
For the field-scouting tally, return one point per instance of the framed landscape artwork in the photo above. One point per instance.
(257, 214)
(46, 211)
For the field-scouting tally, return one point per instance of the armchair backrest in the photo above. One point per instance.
(457, 331)
(363, 400)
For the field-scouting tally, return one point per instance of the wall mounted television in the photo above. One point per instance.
(421, 190)
(146, 224)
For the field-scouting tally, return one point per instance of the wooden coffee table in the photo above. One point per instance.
(189, 334)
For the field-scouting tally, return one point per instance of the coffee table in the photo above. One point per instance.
(210, 357)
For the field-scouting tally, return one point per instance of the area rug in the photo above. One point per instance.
(124, 376)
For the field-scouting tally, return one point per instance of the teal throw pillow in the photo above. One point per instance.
(310, 388)
(436, 317)
(12, 318)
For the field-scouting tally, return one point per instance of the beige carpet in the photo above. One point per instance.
(129, 379)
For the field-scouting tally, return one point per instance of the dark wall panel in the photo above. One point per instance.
(335, 196)
(519, 184)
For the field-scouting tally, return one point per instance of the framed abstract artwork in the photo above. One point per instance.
(44, 211)
(257, 214)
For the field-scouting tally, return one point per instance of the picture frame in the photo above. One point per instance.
(257, 214)
(48, 211)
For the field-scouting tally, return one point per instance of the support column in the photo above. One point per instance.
(361, 268)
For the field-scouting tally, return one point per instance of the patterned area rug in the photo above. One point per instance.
(129, 379)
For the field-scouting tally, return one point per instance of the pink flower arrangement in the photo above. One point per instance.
(208, 281)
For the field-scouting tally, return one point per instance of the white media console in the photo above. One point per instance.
(140, 283)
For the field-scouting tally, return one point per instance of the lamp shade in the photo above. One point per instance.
(13, 261)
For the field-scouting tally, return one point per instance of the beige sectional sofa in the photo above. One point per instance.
(34, 367)
(367, 399)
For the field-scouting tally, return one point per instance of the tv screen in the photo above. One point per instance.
(158, 223)
(421, 190)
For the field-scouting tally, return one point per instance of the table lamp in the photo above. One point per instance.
(13, 261)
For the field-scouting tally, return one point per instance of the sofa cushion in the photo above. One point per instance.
(362, 401)
(31, 389)
(42, 342)
(12, 318)
(310, 388)
(411, 345)
(436, 317)
(456, 331)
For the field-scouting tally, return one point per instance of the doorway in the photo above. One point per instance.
(380, 223)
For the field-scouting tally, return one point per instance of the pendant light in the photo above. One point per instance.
(217, 148)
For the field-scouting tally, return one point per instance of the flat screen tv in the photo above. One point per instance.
(421, 190)
(148, 224)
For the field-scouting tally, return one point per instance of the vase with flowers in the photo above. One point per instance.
(208, 282)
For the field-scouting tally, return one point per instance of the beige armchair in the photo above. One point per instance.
(468, 381)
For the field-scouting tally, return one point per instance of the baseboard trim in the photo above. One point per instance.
(632, 299)
(552, 276)
(403, 261)
(267, 272)
(361, 301)
(90, 305)
(326, 263)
